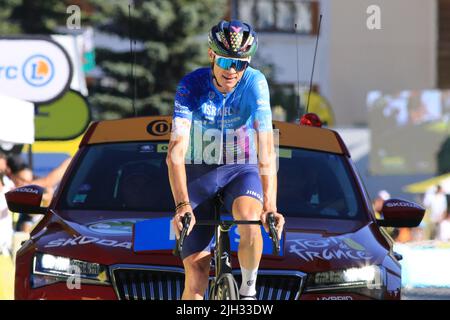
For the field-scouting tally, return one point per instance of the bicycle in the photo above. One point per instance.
(224, 285)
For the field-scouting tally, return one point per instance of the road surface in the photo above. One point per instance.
(426, 294)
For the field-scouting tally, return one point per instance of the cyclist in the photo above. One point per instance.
(227, 108)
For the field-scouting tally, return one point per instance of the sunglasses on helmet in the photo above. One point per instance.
(228, 63)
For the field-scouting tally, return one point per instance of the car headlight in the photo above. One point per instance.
(48, 269)
(365, 280)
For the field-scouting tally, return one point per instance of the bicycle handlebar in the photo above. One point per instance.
(186, 221)
(273, 234)
(226, 222)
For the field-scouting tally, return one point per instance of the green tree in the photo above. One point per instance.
(6, 10)
(31, 16)
(280, 95)
(170, 41)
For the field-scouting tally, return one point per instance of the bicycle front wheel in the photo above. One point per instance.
(226, 288)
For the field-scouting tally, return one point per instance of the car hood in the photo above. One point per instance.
(310, 245)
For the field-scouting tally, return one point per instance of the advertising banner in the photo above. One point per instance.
(33, 69)
(64, 119)
(408, 130)
(16, 121)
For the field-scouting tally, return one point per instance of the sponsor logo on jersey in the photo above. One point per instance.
(263, 87)
(254, 193)
(179, 108)
(209, 110)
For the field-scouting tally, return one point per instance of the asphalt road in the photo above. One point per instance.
(426, 294)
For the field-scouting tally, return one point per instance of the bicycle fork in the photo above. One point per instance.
(222, 252)
(224, 285)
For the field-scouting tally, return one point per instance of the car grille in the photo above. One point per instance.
(148, 284)
(168, 284)
(276, 287)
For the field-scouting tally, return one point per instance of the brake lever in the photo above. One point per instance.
(273, 234)
(186, 221)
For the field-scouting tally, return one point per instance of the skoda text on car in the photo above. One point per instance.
(333, 248)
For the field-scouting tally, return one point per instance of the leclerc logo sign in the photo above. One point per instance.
(33, 69)
(38, 70)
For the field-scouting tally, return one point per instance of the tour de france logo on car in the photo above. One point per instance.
(38, 70)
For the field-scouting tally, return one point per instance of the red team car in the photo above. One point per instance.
(334, 248)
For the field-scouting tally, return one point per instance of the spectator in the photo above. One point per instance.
(6, 222)
(382, 196)
(436, 204)
(378, 203)
(55, 176)
(22, 175)
(3, 163)
(4, 170)
(444, 228)
(16, 173)
(6, 218)
(52, 180)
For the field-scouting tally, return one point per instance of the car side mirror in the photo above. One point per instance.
(26, 199)
(401, 214)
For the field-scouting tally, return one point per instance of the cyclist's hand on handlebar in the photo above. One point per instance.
(177, 220)
(279, 222)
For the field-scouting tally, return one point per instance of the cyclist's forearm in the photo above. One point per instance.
(178, 183)
(269, 185)
(269, 181)
(177, 170)
(267, 169)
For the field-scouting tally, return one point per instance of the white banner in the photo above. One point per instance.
(37, 70)
(16, 121)
(74, 48)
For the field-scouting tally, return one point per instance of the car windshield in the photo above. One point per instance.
(317, 185)
(133, 176)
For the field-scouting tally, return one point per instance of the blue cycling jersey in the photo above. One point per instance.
(229, 120)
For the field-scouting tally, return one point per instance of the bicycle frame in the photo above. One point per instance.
(222, 250)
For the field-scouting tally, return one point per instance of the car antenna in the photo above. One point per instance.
(314, 62)
(298, 75)
(132, 58)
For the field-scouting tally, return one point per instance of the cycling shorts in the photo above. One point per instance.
(204, 182)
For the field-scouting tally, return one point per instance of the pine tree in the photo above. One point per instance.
(170, 41)
(36, 17)
(6, 25)
(31, 16)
